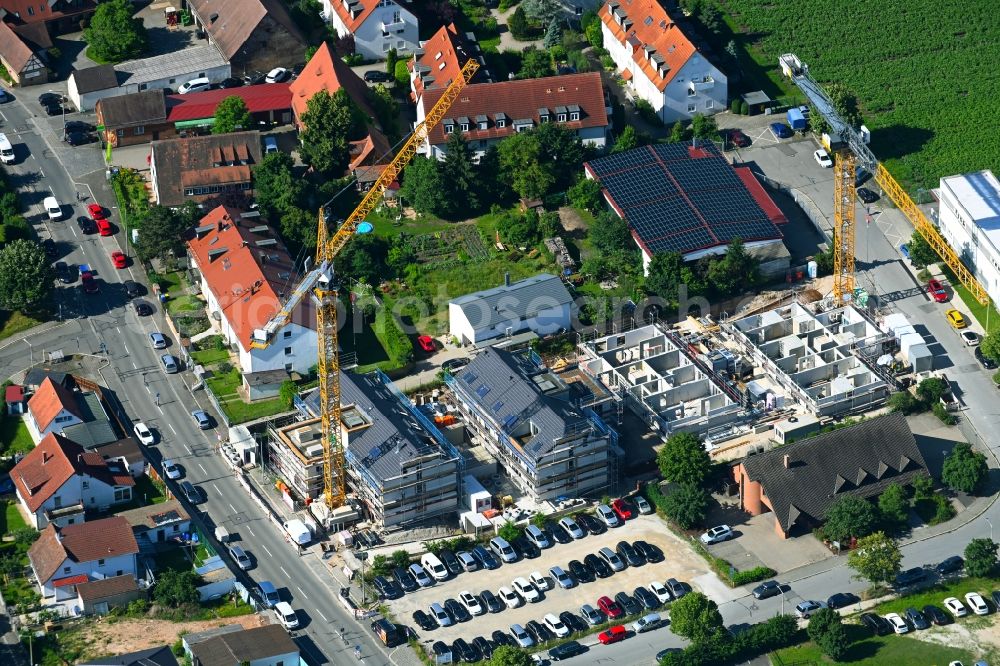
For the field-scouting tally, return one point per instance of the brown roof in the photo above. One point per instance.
(244, 646)
(90, 79)
(442, 60)
(108, 587)
(35, 35)
(153, 515)
(49, 400)
(326, 72)
(659, 48)
(15, 53)
(125, 448)
(249, 270)
(141, 108)
(191, 162)
(42, 11)
(48, 466)
(373, 149)
(236, 20)
(81, 543)
(522, 99)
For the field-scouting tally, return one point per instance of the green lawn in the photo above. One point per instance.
(238, 411)
(209, 356)
(12, 519)
(385, 224)
(364, 343)
(13, 322)
(224, 384)
(14, 435)
(871, 650)
(935, 595)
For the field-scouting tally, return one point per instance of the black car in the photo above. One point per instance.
(951, 565)
(442, 652)
(652, 553)
(559, 535)
(87, 225)
(486, 559)
(65, 272)
(253, 78)
(50, 98)
(131, 288)
(231, 82)
(53, 109)
(424, 621)
(503, 638)
(457, 610)
(538, 631)
(911, 577)
(629, 603)
(405, 579)
(581, 571)
(598, 566)
(387, 588)
(469, 653)
(985, 361)
(78, 138)
(484, 645)
(647, 598)
(376, 76)
(767, 589)
(143, 309)
(591, 523)
(573, 621)
(451, 562)
(79, 126)
(629, 554)
(876, 623)
(50, 248)
(936, 615)
(842, 600)
(566, 650)
(916, 618)
(492, 601)
(527, 549)
(867, 195)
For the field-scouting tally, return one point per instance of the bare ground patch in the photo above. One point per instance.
(122, 636)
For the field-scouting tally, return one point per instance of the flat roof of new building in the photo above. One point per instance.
(979, 195)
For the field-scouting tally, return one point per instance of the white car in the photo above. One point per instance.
(823, 158)
(540, 581)
(898, 624)
(509, 597)
(144, 435)
(643, 505)
(970, 338)
(524, 587)
(977, 603)
(556, 625)
(955, 607)
(807, 608)
(471, 603)
(52, 208)
(277, 75)
(717, 534)
(171, 469)
(661, 593)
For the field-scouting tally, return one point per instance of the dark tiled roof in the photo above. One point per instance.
(248, 645)
(157, 656)
(236, 20)
(142, 108)
(190, 162)
(859, 460)
(35, 35)
(522, 300)
(107, 587)
(90, 79)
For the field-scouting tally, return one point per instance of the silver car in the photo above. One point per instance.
(158, 340)
(201, 418)
(170, 364)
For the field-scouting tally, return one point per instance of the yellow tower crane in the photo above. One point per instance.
(859, 154)
(321, 285)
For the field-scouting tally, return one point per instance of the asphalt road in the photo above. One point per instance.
(163, 401)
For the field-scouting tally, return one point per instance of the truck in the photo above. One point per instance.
(297, 532)
(796, 120)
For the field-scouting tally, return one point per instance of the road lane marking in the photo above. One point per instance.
(126, 348)
(171, 426)
(284, 572)
(161, 410)
(217, 489)
(255, 536)
(203, 468)
(321, 615)
(190, 452)
(233, 507)
(261, 545)
(301, 592)
(134, 365)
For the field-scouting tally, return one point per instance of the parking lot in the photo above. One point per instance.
(680, 563)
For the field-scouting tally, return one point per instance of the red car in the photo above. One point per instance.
(738, 138)
(612, 635)
(89, 283)
(936, 290)
(426, 343)
(97, 212)
(118, 259)
(622, 509)
(104, 228)
(610, 607)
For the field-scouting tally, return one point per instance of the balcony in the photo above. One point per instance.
(705, 83)
(393, 27)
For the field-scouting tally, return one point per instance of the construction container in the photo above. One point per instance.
(796, 120)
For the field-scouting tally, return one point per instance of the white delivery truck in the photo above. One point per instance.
(297, 531)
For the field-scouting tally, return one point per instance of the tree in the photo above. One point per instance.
(518, 24)
(400, 559)
(275, 185)
(176, 588)
(287, 392)
(850, 516)
(964, 469)
(509, 655)
(696, 617)
(331, 122)
(876, 558)
(458, 175)
(402, 74)
(562, 152)
(704, 127)
(363, 258)
(990, 345)
(521, 165)
(162, 233)
(820, 623)
(904, 403)
(595, 35)
(423, 186)
(686, 505)
(677, 133)
(541, 11)
(609, 234)
(509, 531)
(535, 64)
(553, 34)
(391, 58)
(735, 272)
(836, 642)
(931, 389)
(232, 115)
(114, 34)
(980, 557)
(683, 459)
(923, 487)
(25, 276)
(585, 195)
(921, 253)
(894, 505)
(845, 103)
(627, 140)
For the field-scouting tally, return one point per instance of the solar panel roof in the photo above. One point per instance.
(676, 198)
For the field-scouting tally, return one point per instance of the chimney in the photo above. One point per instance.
(788, 461)
(506, 279)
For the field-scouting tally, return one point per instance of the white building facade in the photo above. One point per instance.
(969, 218)
(541, 304)
(377, 26)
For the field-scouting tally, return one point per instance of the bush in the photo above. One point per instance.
(964, 469)
(647, 113)
(752, 575)
(397, 345)
(943, 414)
(778, 632)
(734, 107)
(744, 108)
(904, 403)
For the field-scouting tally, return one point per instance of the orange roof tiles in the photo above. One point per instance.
(81, 543)
(326, 72)
(248, 270)
(657, 44)
(353, 22)
(49, 400)
(441, 63)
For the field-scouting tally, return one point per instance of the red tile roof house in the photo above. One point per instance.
(56, 16)
(440, 59)
(52, 408)
(204, 168)
(246, 274)
(659, 62)
(59, 480)
(23, 63)
(485, 113)
(376, 25)
(64, 558)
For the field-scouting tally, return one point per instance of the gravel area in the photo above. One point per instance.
(680, 563)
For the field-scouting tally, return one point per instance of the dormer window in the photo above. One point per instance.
(575, 115)
(438, 56)
(561, 117)
(464, 127)
(449, 126)
(543, 115)
(501, 122)
(482, 122)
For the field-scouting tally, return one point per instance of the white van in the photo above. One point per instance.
(6, 150)
(434, 566)
(53, 208)
(286, 615)
(194, 85)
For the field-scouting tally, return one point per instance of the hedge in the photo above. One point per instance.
(397, 344)
(724, 648)
(752, 575)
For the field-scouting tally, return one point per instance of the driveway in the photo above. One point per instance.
(757, 544)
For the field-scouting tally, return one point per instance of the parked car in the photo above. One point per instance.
(471, 603)
(171, 469)
(600, 568)
(426, 343)
(537, 631)
(96, 212)
(626, 552)
(677, 588)
(231, 82)
(612, 635)
(54, 109)
(610, 607)
(441, 615)
(936, 290)
(419, 575)
(970, 338)
(629, 603)
(157, 340)
(278, 75)
(984, 360)
(52, 208)
(424, 621)
(457, 610)
(611, 558)
(591, 524)
(557, 534)
(104, 228)
(143, 433)
(950, 565)
(647, 622)
(50, 98)
(866, 195)
(622, 509)
(898, 624)
(562, 578)
(573, 621)
(607, 516)
(119, 259)
(485, 558)
(916, 618)
(661, 593)
(509, 597)
(451, 562)
(201, 418)
(524, 587)
(555, 625)
(643, 505)
(65, 272)
(646, 598)
(527, 549)
(738, 138)
(807, 608)
(387, 587)
(717, 534)
(767, 589)
(976, 602)
(566, 650)
(192, 494)
(823, 158)
(592, 615)
(842, 600)
(78, 138)
(955, 607)
(780, 130)
(199, 84)
(936, 615)
(581, 572)
(648, 551)
(536, 536)
(467, 561)
(876, 623)
(492, 601)
(503, 638)
(376, 76)
(484, 645)
(911, 577)
(405, 579)
(86, 225)
(571, 528)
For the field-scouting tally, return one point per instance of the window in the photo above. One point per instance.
(692, 92)
(448, 129)
(501, 122)
(86, 484)
(120, 133)
(140, 130)
(401, 44)
(288, 351)
(142, 86)
(386, 45)
(287, 334)
(64, 419)
(66, 570)
(465, 127)
(709, 104)
(122, 494)
(561, 117)
(543, 119)
(189, 191)
(288, 367)
(31, 10)
(173, 81)
(692, 108)
(574, 115)
(483, 124)
(100, 563)
(395, 17)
